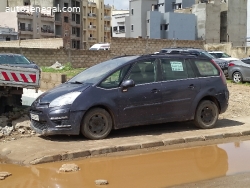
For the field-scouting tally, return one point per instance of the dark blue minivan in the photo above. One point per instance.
(133, 90)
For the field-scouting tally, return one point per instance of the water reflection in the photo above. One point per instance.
(159, 169)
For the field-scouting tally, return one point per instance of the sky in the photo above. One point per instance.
(119, 4)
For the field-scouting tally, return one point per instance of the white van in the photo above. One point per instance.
(105, 46)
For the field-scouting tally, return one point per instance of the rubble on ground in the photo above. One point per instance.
(4, 175)
(57, 66)
(101, 182)
(15, 125)
(69, 168)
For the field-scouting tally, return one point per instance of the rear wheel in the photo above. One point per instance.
(237, 77)
(96, 124)
(206, 115)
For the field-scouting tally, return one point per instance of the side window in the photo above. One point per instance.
(175, 69)
(144, 72)
(115, 79)
(206, 68)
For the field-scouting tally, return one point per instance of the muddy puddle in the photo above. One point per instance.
(147, 170)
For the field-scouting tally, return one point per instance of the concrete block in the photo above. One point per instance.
(103, 150)
(232, 134)
(245, 133)
(213, 137)
(128, 147)
(152, 144)
(194, 139)
(74, 155)
(172, 141)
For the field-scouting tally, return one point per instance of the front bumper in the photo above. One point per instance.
(55, 121)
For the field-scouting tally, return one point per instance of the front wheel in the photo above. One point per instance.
(206, 115)
(237, 77)
(96, 124)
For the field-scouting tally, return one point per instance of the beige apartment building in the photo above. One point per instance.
(79, 28)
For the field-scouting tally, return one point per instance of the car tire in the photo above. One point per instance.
(237, 77)
(206, 115)
(96, 124)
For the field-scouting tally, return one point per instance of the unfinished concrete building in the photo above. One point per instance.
(234, 22)
(208, 21)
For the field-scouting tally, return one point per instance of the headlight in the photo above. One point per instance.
(64, 99)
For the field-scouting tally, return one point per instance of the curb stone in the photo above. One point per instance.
(194, 139)
(129, 147)
(173, 141)
(213, 137)
(232, 134)
(152, 144)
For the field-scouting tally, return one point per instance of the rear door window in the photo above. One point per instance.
(175, 69)
(206, 68)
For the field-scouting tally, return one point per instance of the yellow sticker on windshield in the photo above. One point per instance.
(176, 66)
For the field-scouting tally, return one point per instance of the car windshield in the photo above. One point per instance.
(223, 55)
(98, 72)
(207, 54)
(13, 59)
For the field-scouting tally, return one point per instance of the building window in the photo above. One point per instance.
(115, 28)
(132, 11)
(73, 17)
(66, 19)
(66, 5)
(73, 30)
(164, 27)
(132, 27)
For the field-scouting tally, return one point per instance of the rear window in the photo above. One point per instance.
(13, 59)
(206, 68)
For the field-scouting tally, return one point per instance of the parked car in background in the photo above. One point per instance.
(239, 71)
(101, 46)
(223, 55)
(199, 52)
(133, 90)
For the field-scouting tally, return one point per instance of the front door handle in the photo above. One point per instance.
(155, 90)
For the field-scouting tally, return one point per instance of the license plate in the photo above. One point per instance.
(34, 117)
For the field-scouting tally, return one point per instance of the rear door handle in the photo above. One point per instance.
(155, 90)
(191, 86)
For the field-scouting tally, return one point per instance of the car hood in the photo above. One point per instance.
(229, 59)
(216, 60)
(60, 90)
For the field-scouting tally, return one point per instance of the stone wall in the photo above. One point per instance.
(132, 46)
(50, 80)
(237, 52)
(87, 58)
(34, 43)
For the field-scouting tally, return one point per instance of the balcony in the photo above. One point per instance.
(24, 15)
(107, 29)
(47, 18)
(107, 18)
(91, 4)
(92, 27)
(47, 32)
(92, 39)
(120, 31)
(26, 30)
(109, 7)
(92, 15)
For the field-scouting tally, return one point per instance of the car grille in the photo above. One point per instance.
(39, 125)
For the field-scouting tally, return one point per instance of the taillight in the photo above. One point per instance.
(231, 64)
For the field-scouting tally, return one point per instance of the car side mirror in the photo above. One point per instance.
(127, 84)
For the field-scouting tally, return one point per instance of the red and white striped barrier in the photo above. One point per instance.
(17, 77)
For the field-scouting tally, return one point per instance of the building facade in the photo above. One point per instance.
(118, 22)
(87, 22)
(8, 34)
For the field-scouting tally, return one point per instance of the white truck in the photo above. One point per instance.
(16, 73)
